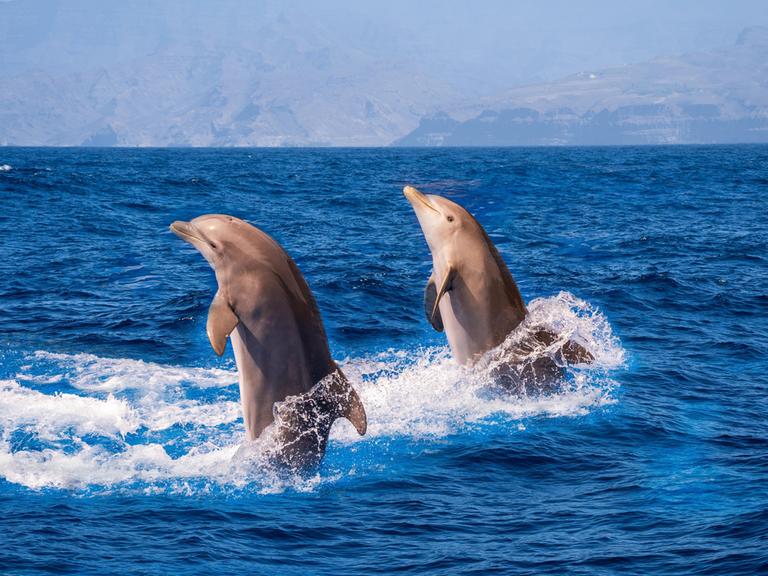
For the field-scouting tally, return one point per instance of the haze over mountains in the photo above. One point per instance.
(714, 97)
(268, 73)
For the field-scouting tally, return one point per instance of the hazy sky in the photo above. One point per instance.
(494, 43)
(341, 72)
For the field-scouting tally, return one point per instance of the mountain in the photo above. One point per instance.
(346, 73)
(225, 73)
(715, 97)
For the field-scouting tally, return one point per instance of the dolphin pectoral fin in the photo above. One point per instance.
(221, 321)
(430, 295)
(348, 403)
(445, 287)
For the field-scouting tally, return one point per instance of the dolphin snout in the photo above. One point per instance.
(412, 194)
(184, 230)
(415, 196)
(409, 191)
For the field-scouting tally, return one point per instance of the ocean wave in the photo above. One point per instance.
(134, 425)
(51, 415)
(5, 167)
(91, 373)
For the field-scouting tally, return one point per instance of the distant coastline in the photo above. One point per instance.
(713, 97)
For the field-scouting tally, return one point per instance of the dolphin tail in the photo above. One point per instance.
(575, 353)
(572, 352)
(348, 403)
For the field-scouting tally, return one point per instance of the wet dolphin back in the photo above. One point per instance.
(311, 329)
(304, 309)
(510, 286)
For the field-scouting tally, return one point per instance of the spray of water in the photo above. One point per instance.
(130, 425)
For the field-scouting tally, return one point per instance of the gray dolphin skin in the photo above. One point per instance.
(264, 305)
(471, 294)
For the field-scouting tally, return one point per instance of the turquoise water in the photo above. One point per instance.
(119, 427)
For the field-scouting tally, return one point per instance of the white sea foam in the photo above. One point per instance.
(159, 400)
(91, 373)
(428, 394)
(150, 412)
(51, 415)
(5, 167)
(94, 465)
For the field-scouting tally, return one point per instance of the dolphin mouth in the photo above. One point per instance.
(414, 195)
(186, 231)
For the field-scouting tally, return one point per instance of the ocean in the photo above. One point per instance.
(120, 427)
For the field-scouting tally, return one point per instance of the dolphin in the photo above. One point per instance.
(471, 294)
(265, 307)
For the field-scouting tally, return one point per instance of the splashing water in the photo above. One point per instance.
(146, 426)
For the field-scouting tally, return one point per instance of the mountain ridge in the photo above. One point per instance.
(716, 97)
(168, 73)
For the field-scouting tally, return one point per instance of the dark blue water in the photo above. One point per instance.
(119, 425)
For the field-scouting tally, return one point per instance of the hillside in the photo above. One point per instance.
(715, 97)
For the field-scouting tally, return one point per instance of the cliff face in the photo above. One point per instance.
(625, 125)
(716, 97)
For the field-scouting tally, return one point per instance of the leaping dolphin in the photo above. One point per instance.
(269, 313)
(471, 294)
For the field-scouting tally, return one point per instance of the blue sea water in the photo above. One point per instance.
(119, 426)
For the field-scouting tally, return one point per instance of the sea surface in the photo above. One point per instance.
(120, 427)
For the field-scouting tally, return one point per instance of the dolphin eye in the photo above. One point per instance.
(450, 218)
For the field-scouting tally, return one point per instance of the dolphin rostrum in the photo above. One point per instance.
(471, 294)
(263, 304)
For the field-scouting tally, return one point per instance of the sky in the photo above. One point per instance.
(492, 43)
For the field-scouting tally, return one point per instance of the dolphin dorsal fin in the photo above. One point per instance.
(510, 286)
(221, 321)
